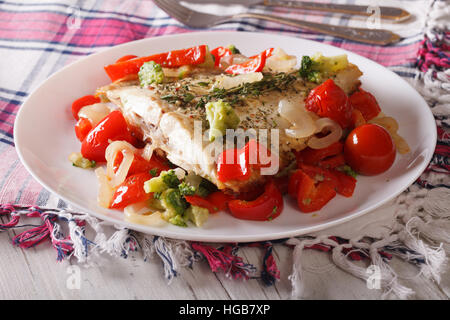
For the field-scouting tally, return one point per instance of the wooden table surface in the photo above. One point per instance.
(35, 274)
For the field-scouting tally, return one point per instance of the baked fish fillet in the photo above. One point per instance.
(165, 115)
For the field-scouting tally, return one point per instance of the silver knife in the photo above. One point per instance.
(391, 13)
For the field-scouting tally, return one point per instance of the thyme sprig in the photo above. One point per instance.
(269, 82)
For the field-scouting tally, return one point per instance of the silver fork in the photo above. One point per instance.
(195, 19)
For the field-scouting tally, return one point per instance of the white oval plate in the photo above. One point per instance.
(44, 137)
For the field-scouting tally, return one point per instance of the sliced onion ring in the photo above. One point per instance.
(302, 124)
(128, 155)
(334, 135)
(140, 213)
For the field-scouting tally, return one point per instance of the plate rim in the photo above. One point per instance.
(210, 238)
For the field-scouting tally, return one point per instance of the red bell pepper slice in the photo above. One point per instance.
(139, 164)
(131, 191)
(332, 162)
(345, 184)
(313, 197)
(173, 59)
(126, 58)
(113, 127)
(82, 128)
(269, 52)
(253, 65)
(268, 206)
(82, 102)
(366, 103)
(219, 53)
(330, 101)
(214, 202)
(313, 156)
(319, 174)
(310, 194)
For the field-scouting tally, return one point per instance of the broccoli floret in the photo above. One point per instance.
(205, 188)
(170, 179)
(150, 72)
(186, 189)
(221, 116)
(308, 70)
(233, 49)
(173, 201)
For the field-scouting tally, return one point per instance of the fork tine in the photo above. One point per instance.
(174, 10)
(167, 9)
(176, 7)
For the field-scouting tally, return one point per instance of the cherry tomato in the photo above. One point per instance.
(82, 128)
(242, 161)
(329, 101)
(253, 65)
(369, 149)
(268, 206)
(131, 191)
(366, 103)
(82, 102)
(113, 127)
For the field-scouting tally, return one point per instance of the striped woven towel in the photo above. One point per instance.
(37, 38)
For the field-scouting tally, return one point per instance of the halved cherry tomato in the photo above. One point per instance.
(330, 101)
(173, 59)
(253, 65)
(268, 206)
(369, 149)
(82, 128)
(113, 127)
(219, 53)
(139, 164)
(313, 156)
(131, 191)
(312, 196)
(216, 201)
(126, 58)
(82, 102)
(366, 103)
(236, 164)
(231, 165)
